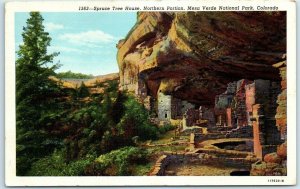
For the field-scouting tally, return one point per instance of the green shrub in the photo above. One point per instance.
(48, 166)
(55, 165)
(77, 168)
(135, 121)
(165, 128)
(81, 128)
(118, 162)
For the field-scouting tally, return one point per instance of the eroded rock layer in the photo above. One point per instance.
(194, 55)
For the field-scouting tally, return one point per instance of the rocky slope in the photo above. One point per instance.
(194, 55)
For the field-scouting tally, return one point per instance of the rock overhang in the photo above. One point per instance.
(199, 53)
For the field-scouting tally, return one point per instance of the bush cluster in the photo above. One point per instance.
(118, 162)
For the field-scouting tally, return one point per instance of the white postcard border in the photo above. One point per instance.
(67, 6)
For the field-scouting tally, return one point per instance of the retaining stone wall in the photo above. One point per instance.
(196, 158)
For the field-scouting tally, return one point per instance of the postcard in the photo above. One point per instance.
(150, 93)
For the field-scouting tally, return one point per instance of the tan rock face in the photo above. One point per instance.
(282, 150)
(272, 158)
(281, 113)
(201, 52)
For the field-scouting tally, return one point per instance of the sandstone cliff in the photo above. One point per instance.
(194, 55)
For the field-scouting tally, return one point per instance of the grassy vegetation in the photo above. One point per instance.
(123, 161)
(171, 148)
(143, 169)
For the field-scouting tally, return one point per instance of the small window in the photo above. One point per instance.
(166, 115)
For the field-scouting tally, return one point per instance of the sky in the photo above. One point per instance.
(86, 41)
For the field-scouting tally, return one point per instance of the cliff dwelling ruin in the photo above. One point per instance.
(215, 76)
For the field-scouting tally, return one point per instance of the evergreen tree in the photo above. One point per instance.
(118, 108)
(35, 92)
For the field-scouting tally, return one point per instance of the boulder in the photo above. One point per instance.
(272, 158)
(282, 150)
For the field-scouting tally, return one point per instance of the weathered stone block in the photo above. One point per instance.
(282, 150)
(283, 84)
(272, 158)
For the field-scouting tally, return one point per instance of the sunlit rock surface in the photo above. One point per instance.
(231, 63)
(198, 53)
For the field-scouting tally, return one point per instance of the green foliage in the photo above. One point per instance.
(93, 128)
(142, 169)
(135, 121)
(102, 127)
(48, 166)
(119, 162)
(118, 107)
(72, 75)
(36, 94)
(55, 165)
(77, 168)
(49, 118)
(87, 125)
(32, 68)
(165, 128)
(112, 86)
(172, 148)
(31, 146)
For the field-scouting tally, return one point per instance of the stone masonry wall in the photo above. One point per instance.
(266, 136)
(164, 106)
(281, 112)
(274, 157)
(240, 103)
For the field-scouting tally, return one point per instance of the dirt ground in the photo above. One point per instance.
(198, 170)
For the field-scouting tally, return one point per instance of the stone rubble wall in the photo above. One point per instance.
(240, 132)
(160, 165)
(223, 153)
(199, 137)
(281, 111)
(198, 158)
